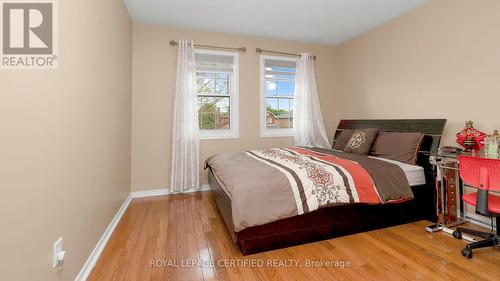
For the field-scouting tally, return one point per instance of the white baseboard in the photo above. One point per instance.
(96, 253)
(479, 220)
(164, 191)
(94, 256)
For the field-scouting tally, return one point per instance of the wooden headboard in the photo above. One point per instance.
(431, 128)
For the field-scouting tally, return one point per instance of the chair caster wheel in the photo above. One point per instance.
(457, 234)
(467, 253)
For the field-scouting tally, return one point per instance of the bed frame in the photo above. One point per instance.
(346, 219)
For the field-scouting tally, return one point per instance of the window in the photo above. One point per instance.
(277, 96)
(217, 90)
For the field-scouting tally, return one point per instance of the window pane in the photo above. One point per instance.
(270, 88)
(205, 84)
(279, 113)
(284, 104)
(280, 66)
(205, 74)
(214, 63)
(282, 88)
(212, 83)
(271, 112)
(222, 75)
(213, 113)
(222, 86)
(279, 78)
(291, 88)
(289, 70)
(285, 118)
(283, 76)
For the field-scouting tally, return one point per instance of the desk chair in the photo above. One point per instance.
(483, 174)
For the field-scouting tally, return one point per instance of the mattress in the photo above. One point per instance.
(414, 174)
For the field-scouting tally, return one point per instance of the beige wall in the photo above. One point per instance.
(65, 143)
(153, 91)
(441, 60)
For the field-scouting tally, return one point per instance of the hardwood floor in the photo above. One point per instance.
(188, 228)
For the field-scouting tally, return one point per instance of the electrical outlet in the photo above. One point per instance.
(57, 251)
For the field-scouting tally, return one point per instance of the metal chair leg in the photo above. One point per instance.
(482, 234)
(467, 251)
(482, 244)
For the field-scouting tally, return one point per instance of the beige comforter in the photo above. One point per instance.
(272, 184)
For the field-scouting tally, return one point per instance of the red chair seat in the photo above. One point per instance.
(493, 201)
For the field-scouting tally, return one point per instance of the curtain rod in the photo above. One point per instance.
(259, 50)
(242, 49)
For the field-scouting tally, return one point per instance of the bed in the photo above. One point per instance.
(340, 219)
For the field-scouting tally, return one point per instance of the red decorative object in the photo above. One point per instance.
(470, 138)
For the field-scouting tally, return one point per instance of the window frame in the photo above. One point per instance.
(264, 131)
(234, 131)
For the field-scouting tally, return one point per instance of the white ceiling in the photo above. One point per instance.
(316, 21)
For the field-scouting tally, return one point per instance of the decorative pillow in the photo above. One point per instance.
(401, 147)
(361, 141)
(342, 139)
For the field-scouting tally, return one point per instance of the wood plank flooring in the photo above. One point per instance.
(157, 232)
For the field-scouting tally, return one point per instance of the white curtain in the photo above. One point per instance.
(185, 141)
(308, 126)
